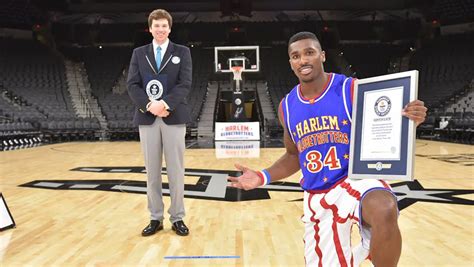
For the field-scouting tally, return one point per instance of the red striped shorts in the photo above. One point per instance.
(328, 218)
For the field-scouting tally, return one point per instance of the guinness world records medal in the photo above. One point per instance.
(154, 89)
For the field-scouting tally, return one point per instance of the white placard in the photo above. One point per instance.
(226, 131)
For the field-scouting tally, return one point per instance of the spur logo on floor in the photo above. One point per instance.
(213, 185)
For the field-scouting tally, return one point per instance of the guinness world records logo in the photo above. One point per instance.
(378, 166)
(154, 89)
(382, 106)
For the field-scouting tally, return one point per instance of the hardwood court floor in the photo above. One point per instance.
(101, 226)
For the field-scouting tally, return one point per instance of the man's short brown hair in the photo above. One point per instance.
(160, 14)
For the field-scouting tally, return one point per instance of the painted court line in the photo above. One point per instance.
(199, 257)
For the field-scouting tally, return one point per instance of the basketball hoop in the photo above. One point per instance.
(237, 70)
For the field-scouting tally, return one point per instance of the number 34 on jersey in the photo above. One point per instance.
(315, 161)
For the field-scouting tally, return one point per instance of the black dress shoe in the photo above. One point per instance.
(180, 228)
(152, 228)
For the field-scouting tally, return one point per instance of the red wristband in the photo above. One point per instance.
(262, 179)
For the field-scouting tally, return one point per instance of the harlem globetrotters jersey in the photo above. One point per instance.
(321, 128)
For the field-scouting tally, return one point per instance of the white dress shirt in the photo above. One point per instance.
(163, 46)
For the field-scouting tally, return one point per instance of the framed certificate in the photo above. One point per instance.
(382, 140)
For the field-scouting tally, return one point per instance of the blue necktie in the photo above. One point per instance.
(158, 57)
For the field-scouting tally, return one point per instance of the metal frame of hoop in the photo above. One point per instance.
(237, 70)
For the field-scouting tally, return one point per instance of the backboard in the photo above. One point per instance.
(226, 57)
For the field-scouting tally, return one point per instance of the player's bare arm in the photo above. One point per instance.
(285, 166)
(415, 111)
(288, 163)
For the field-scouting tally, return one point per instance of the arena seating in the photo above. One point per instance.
(445, 67)
(108, 64)
(446, 86)
(368, 60)
(35, 98)
(34, 90)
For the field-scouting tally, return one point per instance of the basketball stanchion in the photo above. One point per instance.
(237, 71)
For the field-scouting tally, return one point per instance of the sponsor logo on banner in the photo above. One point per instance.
(226, 131)
(237, 149)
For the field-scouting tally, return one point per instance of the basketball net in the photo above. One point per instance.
(237, 70)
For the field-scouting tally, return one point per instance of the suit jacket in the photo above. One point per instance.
(177, 65)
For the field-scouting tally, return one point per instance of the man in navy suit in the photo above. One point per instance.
(159, 81)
